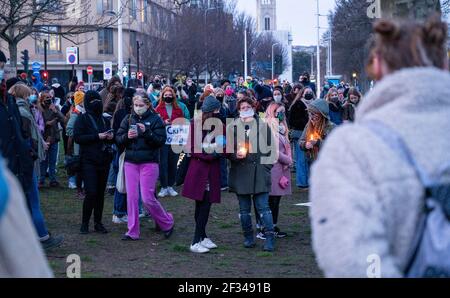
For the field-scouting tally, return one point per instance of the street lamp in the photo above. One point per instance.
(273, 70)
(119, 36)
(355, 77)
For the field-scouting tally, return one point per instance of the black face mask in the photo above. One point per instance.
(47, 103)
(168, 99)
(97, 107)
(220, 98)
(309, 96)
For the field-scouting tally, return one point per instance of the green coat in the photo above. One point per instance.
(249, 176)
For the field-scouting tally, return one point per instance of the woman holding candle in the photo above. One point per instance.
(250, 176)
(318, 128)
(202, 183)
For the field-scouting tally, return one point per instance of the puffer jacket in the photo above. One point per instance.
(145, 148)
(366, 200)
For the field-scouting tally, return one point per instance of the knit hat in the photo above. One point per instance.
(11, 82)
(210, 104)
(78, 97)
(262, 92)
(320, 105)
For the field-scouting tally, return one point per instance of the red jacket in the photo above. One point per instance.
(176, 112)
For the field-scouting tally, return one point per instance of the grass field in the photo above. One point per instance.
(154, 256)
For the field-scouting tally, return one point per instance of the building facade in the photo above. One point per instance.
(266, 22)
(140, 18)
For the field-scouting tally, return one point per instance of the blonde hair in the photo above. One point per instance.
(20, 91)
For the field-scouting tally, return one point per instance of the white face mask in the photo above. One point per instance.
(282, 129)
(247, 114)
(140, 110)
(278, 98)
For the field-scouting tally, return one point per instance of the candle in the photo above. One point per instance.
(243, 150)
(311, 138)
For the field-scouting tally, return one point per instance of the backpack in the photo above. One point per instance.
(430, 253)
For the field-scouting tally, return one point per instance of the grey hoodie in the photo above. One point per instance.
(365, 198)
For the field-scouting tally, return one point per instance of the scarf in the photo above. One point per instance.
(25, 112)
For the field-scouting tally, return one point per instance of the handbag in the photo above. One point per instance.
(120, 183)
(284, 182)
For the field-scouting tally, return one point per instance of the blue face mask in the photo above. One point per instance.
(33, 98)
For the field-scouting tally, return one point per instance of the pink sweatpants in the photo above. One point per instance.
(144, 176)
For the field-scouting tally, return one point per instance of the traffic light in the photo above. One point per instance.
(140, 75)
(45, 76)
(25, 60)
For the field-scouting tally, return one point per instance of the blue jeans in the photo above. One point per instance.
(35, 208)
(223, 172)
(301, 167)
(113, 169)
(49, 163)
(120, 200)
(262, 205)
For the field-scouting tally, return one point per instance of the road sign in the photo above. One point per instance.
(36, 66)
(72, 55)
(107, 70)
(90, 70)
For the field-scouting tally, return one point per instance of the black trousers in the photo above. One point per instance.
(202, 210)
(95, 179)
(274, 204)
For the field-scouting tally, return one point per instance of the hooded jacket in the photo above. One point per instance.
(366, 199)
(85, 133)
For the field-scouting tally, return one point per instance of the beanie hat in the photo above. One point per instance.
(11, 82)
(78, 97)
(210, 104)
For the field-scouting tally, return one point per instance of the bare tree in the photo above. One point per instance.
(263, 56)
(22, 18)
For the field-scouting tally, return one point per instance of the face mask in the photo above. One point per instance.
(2, 74)
(47, 103)
(229, 92)
(334, 99)
(247, 114)
(80, 109)
(189, 84)
(168, 99)
(278, 98)
(32, 99)
(309, 96)
(97, 107)
(140, 110)
(220, 98)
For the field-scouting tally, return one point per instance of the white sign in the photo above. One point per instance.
(72, 55)
(177, 134)
(107, 70)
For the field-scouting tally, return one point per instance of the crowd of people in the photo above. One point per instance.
(116, 140)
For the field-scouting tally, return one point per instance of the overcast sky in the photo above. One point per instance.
(298, 16)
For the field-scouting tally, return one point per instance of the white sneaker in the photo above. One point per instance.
(72, 185)
(163, 193)
(116, 219)
(198, 248)
(208, 243)
(124, 219)
(172, 192)
(141, 215)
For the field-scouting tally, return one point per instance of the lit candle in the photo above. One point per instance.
(311, 138)
(243, 151)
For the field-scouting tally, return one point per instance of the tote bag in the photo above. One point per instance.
(120, 183)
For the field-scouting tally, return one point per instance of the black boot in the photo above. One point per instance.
(269, 243)
(84, 229)
(249, 241)
(99, 228)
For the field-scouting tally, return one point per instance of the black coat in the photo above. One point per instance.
(298, 116)
(92, 149)
(145, 148)
(14, 147)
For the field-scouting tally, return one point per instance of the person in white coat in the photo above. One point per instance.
(21, 254)
(366, 200)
